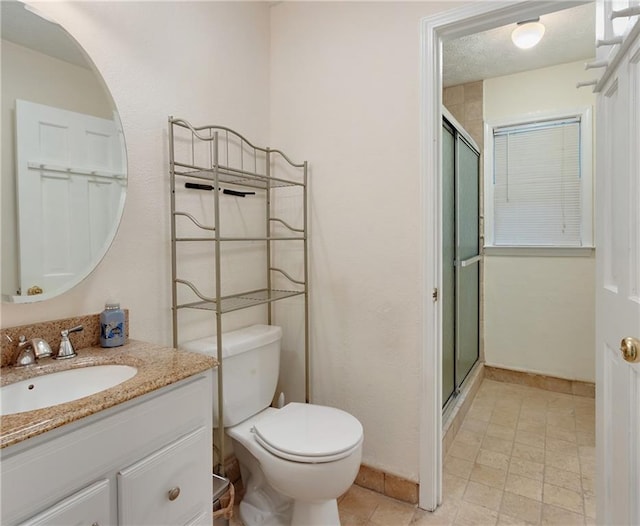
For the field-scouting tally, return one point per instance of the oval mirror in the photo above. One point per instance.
(64, 164)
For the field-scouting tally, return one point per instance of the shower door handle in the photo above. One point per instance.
(468, 262)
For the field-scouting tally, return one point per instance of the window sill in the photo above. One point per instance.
(540, 251)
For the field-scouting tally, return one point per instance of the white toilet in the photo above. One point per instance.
(295, 461)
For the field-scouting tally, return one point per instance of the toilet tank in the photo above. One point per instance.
(250, 367)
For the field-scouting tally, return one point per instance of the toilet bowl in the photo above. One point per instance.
(295, 461)
(307, 453)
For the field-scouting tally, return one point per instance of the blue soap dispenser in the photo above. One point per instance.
(112, 329)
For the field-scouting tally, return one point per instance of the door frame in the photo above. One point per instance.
(455, 23)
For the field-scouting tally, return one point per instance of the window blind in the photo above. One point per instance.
(537, 189)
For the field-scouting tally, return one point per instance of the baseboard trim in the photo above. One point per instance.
(541, 381)
(387, 484)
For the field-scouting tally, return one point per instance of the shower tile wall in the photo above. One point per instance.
(466, 104)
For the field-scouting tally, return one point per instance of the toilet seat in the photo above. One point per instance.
(309, 433)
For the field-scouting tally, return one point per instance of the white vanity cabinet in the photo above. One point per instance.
(144, 462)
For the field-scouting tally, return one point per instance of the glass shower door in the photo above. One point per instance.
(460, 260)
(467, 333)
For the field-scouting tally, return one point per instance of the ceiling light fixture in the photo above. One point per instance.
(528, 33)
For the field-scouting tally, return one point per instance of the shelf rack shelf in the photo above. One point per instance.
(231, 159)
(236, 177)
(242, 301)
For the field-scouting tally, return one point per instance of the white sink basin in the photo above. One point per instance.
(61, 387)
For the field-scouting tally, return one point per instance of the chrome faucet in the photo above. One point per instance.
(66, 349)
(31, 350)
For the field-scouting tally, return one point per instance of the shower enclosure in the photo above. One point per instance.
(461, 257)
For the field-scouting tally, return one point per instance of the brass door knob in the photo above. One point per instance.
(630, 349)
(174, 493)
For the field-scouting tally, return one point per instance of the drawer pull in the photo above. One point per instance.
(174, 493)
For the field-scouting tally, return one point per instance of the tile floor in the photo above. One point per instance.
(522, 456)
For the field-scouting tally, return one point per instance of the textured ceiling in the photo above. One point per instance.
(569, 37)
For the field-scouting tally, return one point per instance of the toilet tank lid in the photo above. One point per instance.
(236, 342)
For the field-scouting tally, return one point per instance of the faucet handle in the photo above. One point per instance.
(66, 349)
(66, 332)
(27, 355)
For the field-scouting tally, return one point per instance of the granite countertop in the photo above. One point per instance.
(157, 366)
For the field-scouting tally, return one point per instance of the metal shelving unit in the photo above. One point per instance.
(230, 159)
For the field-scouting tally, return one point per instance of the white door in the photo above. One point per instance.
(618, 294)
(69, 169)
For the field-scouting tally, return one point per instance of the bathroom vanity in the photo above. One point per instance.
(134, 454)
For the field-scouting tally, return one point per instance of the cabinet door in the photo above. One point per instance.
(170, 486)
(89, 507)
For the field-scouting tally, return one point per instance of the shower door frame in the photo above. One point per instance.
(460, 134)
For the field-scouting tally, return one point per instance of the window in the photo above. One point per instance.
(538, 185)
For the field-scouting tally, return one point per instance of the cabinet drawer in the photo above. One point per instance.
(89, 506)
(204, 519)
(169, 486)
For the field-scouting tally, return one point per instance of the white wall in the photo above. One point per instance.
(207, 62)
(345, 95)
(539, 311)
